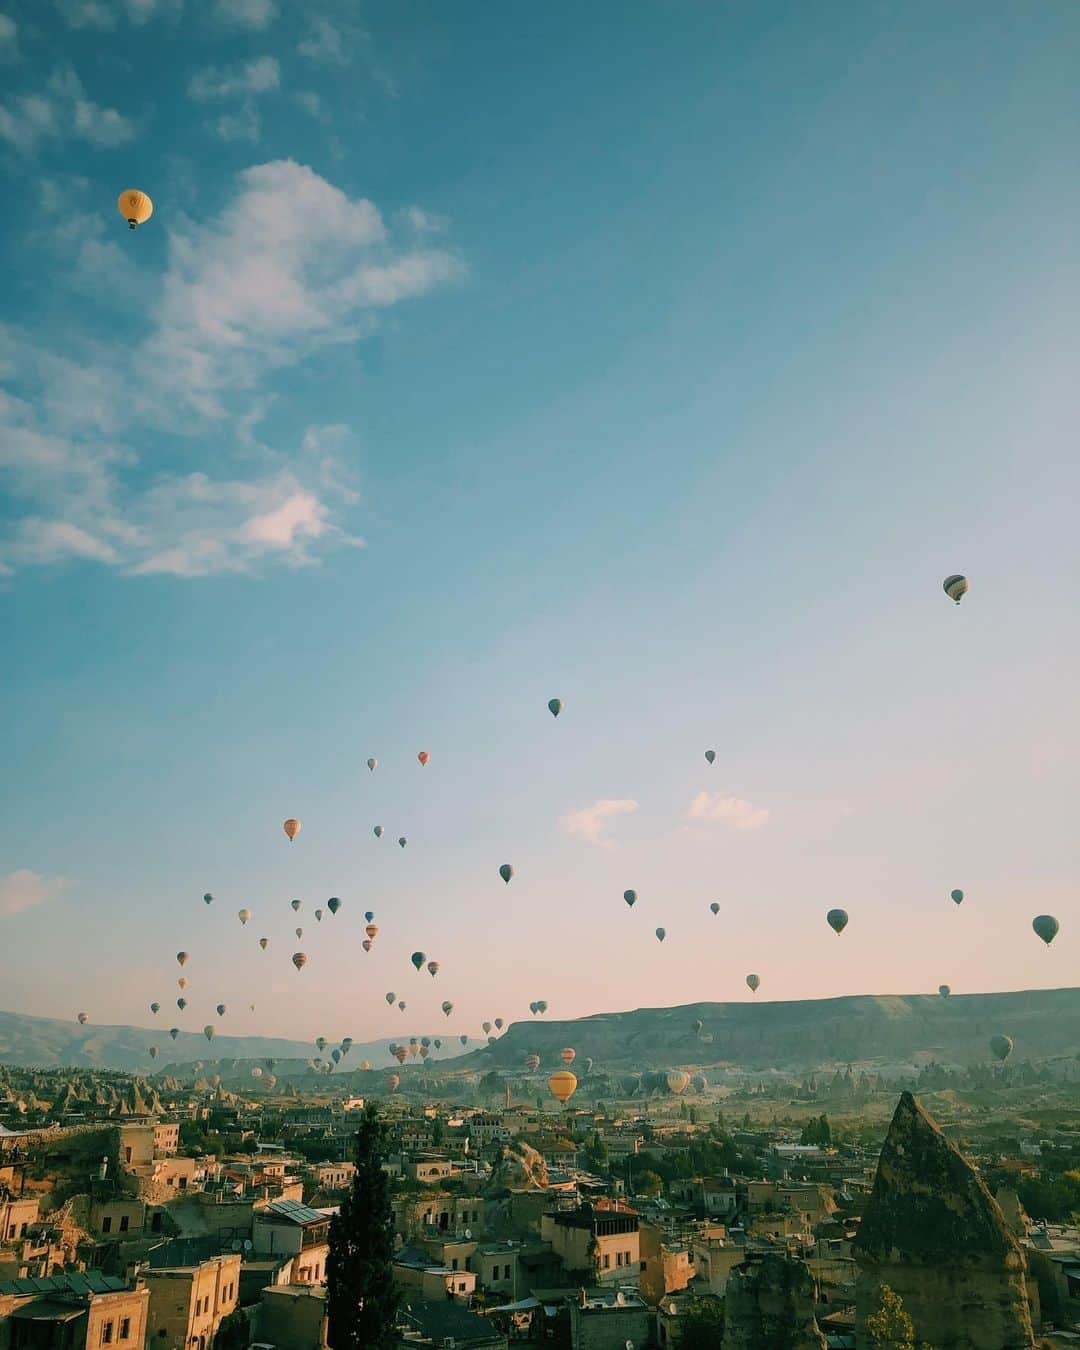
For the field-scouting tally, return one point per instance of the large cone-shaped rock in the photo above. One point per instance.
(770, 1306)
(934, 1233)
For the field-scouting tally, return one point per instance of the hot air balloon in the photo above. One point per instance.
(541, 1005)
(423, 756)
(251, 1006)
(437, 1043)
(568, 1055)
(335, 1055)
(486, 1026)
(562, 1085)
(244, 915)
(837, 920)
(532, 1007)
(295, 906)
(333, 904)
(463, 1039)
(182, 983)
(715, 908)
(401, 1053)
(135, 206)
(752, 983)
(433, 968)
(299, 933)
(318, 916)
(424, 1052)
(393, 1082)
(256, 1072)
(369, 916)
(1046, 926)
(447, 1008)
(83, 1018)
(299, 960)
(208, 1032)
(346, 1043)
(182, 958)
(390, 999)
(153, 1052)
(677, 1082)
(264, 943)
(155, 1008)
(661, 934)
(499, 1024)
(955, 587)
(373, 764)
(506, 872)
(174, 1032)
(944, 990)
(698, 1026)
(956, 897)
(555, 706)
(402, 841)
(365, 1065)
(699, 1082)
(630, 897)
(372, 930)
(492, 1040)
(630, 1082)
(208, 898)
(532, 1063)
(418, 959)
(366, 944)
(291, 828)
(221, 1009)
(378, 831)
(401, 1005)
(710, 756)
(1001, 1047)
(270, 1082)
(181, 1003)
(320, 1041)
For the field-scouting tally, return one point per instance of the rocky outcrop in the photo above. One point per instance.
(934, 1233)
(769, 1305)
(520, 1166)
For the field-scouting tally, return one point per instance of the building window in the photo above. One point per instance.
(124, 1222)
(106, 1333)
(125, 1328)
(618, 1258)
(461, 1287)
(507, 1276)
(644, 1265)
(106, 1225)
(627, 1258)
(607, 1260)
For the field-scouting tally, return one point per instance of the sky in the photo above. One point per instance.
(663, 359)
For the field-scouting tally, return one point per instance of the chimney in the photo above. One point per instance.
(103, 1170)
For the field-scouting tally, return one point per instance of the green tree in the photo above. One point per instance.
(701, 1326)
(889, 1327)
(234, 1332)
(438, 1132)
(362, 1300)
(648, 1183)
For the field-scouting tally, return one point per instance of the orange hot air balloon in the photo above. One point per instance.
(299, 960)
(423, 756)
(181, 983)
(291, 828)
(372, 930)
(532, 1063)
(568, 1056)
(135, 206)
(562, 1085)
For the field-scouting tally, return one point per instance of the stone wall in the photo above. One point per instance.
(769, 1305)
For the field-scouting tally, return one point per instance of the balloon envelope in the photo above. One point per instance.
(244, 915)
(715, 907)
(291, 828)
(944, 990)
(562, 1085)
(433, 968)
(264, 943)
(390, 999)
(135, 206)
(568, 1055)
(955, 587)
(753, 981)
(418, 959)
(295, 905)
(555, 706)
(661, 934)
(710, 756)
(630, 897)
(182, 958)
(378, 831)
(423, 756)
(221, 1009)
(208, 1032)
(83, 1018)
(299, 960)
(402, 841)
(155, 1007)
(1046, 926)
(1001, 1047)
(506, 872)
(333, 904)
(208, 898)
(956, 897)
(837, 920)
(373, 764)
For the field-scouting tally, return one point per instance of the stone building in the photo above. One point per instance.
(189, 1303)
(769, 1305)
(934, 1233)
(73, 1312)
(604, 1242)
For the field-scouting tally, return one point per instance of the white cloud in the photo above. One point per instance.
(591, 822)
(731, 811)
(24, 889)
(243, 125)
(9, 38)
(423, 222)
(102, 442)
(256, 14)
(325, 44)
(312, 104)
(62, 112)
(88, 13)
(260, 76)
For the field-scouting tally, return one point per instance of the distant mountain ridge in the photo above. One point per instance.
(752, 1035)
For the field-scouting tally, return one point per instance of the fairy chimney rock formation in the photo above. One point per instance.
(934, 1233)
(769, 1305)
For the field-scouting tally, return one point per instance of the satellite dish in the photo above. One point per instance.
(247, 1244)
(236, 1245)
(468, 1232)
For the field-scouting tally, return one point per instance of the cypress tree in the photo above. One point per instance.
(362, 1301)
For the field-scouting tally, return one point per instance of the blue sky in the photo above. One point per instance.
(660, 358)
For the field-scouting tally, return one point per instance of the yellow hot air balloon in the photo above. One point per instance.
(291, 828)
(135, 206)
(562, 1085)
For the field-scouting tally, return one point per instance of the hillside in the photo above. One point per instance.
(49, 1042)
(799, 1035)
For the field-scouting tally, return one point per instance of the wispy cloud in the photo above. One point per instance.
(103, 14)
(24, 889)
(61, 112)
(312, 104)
(424, 222)
(291, 264)
(324, 44)
(212, 83)
(9, 38)
(591, 822)
(730, 811)
(243, 125)
(254, 14)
